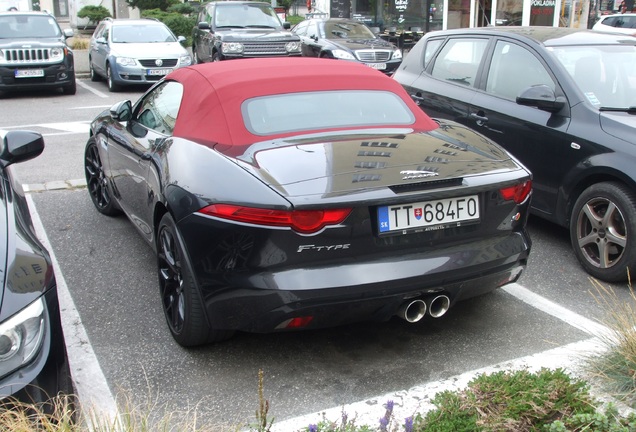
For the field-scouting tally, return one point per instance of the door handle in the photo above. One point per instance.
(417, 98)
(479, 119)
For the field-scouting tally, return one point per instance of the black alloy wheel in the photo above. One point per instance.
(96, 180)
(180, 297)
(216, 57)
(602, 229)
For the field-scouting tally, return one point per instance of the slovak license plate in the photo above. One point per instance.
(29, 73)
(159, 72)
(378, 66)
(438, 213)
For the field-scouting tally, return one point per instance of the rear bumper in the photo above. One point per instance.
(353, 291)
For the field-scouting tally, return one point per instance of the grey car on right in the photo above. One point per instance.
(563, 101)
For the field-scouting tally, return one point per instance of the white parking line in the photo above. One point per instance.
(91, 89)
(90, 383)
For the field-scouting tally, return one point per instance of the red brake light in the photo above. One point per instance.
(303, 221)
(518, 193)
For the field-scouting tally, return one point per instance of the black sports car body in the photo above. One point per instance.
(313, 194)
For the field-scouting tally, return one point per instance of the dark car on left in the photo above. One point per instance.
(345, 39)
(34, 365)
(34, 53)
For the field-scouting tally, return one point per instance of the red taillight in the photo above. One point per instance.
(299, 322)
(518, 193)
(303, 221)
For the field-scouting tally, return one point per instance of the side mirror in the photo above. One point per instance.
(203, 25)
(542, 97)
(121, 111)
(286, 25)
(20, 146)
(68, 33)
(181, 39)
(101, 40)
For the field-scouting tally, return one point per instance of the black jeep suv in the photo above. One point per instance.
(241, 29)
(34, 53)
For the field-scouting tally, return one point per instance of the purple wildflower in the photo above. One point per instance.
(384, 423)
(313, 428)
(408, 424)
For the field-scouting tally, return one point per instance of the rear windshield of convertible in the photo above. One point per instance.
(294, 112)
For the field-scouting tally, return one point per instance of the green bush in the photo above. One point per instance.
(518, 401)
(94, 13)
(179, 24)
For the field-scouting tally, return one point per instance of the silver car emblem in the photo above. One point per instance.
(158, 62)
(414, 174)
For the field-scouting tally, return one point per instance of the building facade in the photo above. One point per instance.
(429, 15)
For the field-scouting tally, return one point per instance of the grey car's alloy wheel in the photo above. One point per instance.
(602, 229)
(96, 180)
(216, 57)
(180, 297)
(109, 77)
(94, 76)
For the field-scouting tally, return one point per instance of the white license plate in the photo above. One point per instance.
(439, 213)
(160, 72)
(29, 73)
(378, 66)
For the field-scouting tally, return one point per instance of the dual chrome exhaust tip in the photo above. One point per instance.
(414, 310)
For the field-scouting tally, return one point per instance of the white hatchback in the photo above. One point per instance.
(618, 23)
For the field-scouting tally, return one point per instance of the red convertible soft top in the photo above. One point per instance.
(213, 93)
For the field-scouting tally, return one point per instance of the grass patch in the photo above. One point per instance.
(615, 368)
(509, 401)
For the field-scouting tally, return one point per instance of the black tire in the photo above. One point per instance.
(603, 230)
(94, 76)
(180, 297)
(96, 181)
(70, 89)
(216, 57)
(112, 86)
(195, 56)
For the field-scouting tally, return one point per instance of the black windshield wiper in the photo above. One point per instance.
(628, 110)
(259, 26)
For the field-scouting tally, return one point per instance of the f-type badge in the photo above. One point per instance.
(414, 174)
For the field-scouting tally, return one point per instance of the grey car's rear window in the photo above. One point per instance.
(269, 115)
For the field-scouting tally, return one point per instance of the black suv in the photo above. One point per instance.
(241, 29)
(34, 53)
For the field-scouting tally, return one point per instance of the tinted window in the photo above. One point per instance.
(514, 68)
(142, 33)
(158, 110)
(347, 30)
(430, 49)
(28, 26)
(320, 110)
(459, 59)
